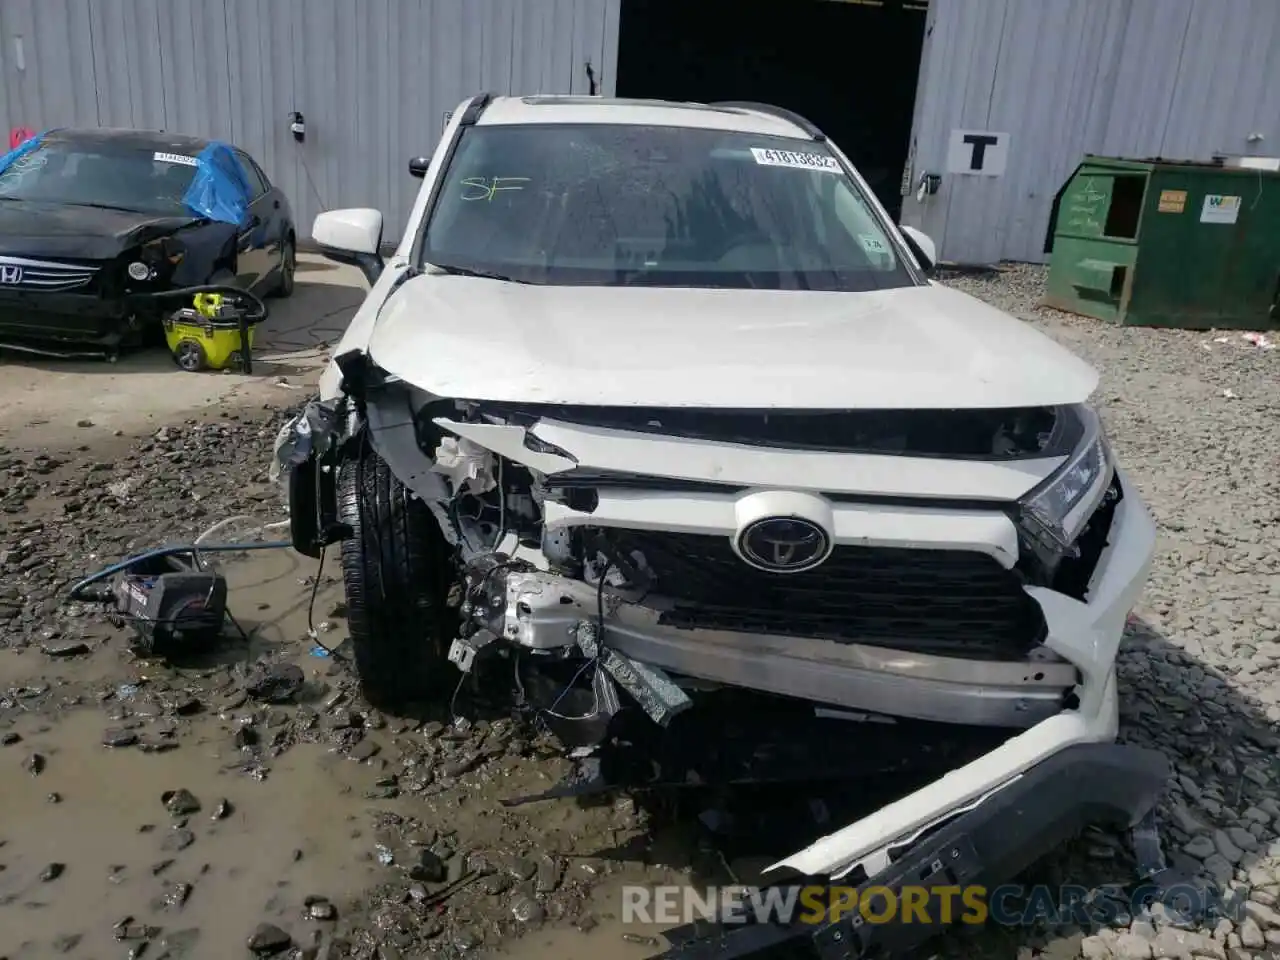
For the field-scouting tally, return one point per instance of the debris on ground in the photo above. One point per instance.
(278, 683)
(315, 815)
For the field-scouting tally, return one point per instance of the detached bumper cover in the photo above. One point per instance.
(1104, 784)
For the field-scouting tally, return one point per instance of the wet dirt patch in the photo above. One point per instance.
(367, 797)
(309, 801)
(251, 849)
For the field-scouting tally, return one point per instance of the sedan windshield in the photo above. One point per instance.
(658, 206)
(128, 178)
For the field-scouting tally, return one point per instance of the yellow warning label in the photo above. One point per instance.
(1172, 201)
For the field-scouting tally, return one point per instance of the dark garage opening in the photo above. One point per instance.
(850, 66)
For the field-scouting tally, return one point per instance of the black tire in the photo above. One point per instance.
(396, 569)
(283, 286)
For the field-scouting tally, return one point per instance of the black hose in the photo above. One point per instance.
(225, 289)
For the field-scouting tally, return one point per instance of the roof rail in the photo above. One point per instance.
(780, 112)
(475, 108)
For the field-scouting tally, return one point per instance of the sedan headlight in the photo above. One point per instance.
(1060, 507)
(157, 260)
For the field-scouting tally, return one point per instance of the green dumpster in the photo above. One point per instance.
(1165, 243)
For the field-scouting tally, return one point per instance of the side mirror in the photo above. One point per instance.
(418, 167)
(922, 246)
(351, 236)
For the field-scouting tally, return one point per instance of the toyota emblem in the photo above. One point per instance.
(10, 274)
(784, 544)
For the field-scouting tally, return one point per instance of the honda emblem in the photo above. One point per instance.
(10, 274)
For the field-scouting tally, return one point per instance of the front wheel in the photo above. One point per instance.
(396, 568)
(283, 287)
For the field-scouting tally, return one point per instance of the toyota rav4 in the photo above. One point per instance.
(659, 390)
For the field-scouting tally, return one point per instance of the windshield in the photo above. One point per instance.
(658, 206)
(131, 178)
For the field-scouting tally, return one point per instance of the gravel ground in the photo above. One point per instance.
(316, 825)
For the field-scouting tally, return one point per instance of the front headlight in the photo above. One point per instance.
(157, 260)
(1062, 505)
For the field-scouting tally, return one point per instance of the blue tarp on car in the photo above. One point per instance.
(21, 150)
(220, 190)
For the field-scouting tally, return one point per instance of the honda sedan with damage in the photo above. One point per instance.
(96, 226)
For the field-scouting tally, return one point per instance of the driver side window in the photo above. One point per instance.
(256, 183)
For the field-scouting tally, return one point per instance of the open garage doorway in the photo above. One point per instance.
(850, 66)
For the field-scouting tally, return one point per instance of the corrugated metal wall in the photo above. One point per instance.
(373, 78)
(1176, 78)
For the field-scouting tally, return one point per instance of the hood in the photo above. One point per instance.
(915, 347)
(65, 231)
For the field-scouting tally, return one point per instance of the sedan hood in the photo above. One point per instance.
(67, 231)
(915, 347)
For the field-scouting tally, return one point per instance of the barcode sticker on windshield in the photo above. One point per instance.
(792, 158)
(175, 158)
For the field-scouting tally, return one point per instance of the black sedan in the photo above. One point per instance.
(95, 223)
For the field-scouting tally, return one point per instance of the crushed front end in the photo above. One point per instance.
(963, 568)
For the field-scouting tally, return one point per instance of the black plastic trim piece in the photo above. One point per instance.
(369, 264)
(313, 516)
(808, 126)
(1110, 784)
(471, 115)
(468, 119)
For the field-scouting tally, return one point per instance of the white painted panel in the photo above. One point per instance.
(372, 77)
(1182, 79)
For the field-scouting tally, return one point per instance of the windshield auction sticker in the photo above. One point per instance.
(175, 158)
(794, 159)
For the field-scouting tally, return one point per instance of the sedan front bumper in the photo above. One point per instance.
(64, 318)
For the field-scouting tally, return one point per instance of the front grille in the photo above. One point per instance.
(955, 602)
(21, 273)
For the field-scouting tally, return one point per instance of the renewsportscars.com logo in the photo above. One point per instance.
(1008, 905)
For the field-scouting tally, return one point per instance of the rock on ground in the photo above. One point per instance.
(1192, 419)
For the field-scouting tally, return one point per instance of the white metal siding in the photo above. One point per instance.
(373, 78)
(1183, 79)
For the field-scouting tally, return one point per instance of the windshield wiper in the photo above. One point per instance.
(469, 272)
(100, 206)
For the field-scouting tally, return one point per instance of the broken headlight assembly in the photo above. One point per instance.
(1052, 516)
(156, 260)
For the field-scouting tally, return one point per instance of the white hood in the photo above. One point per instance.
(915, 347)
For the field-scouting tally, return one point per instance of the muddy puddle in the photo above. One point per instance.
(98, 811)
(321, 798)
(610, 940)
(87, 840)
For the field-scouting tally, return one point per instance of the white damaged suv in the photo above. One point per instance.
(661, 388)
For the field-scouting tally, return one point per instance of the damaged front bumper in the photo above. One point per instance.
(1086, 634)
(1060, 694)
(542, 612)
(58, 323)
(984, 847)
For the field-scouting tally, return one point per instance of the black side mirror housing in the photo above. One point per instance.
(922, 258)
(418, 167)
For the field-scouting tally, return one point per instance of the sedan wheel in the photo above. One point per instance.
(288, 267)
